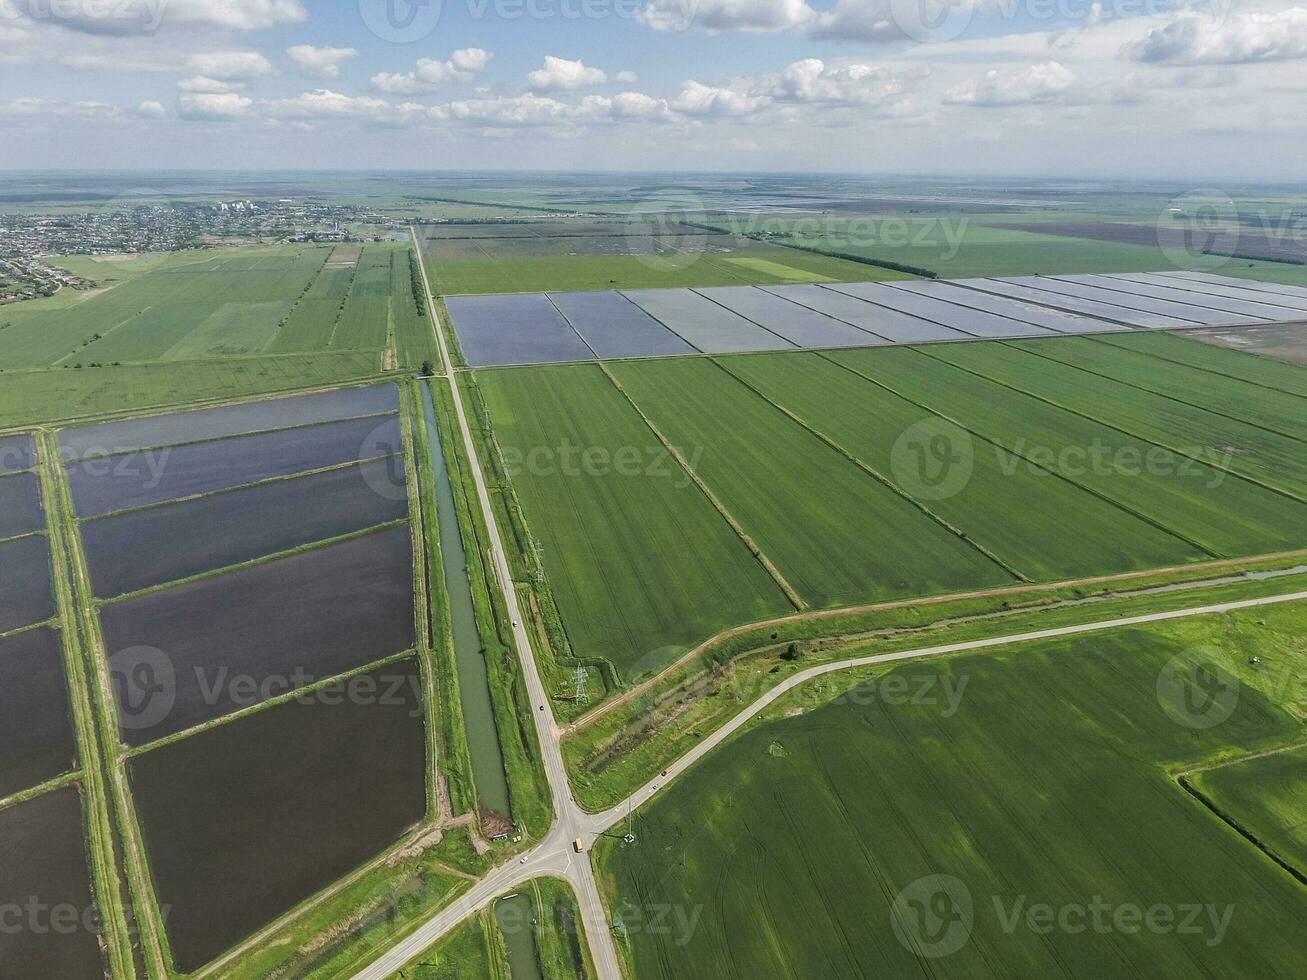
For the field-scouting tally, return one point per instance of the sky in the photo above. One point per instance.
(1186, 89)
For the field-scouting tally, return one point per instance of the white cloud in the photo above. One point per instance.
(230, 66)
(52, 107)
(150, 109)
(213, 107)
(1037, 83)
(125, 17)
(811, 80)
(202, 83)
(720, 16)
(521, 110)
(626, 77)
(326, 104)
(559, 74)
(1207, 40)
(461, 66)
(697, 99)
(323, 62)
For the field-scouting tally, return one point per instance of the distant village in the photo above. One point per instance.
(28, 241)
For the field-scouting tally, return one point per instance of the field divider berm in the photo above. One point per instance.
(881, 478)
(790, 593)
(91, 689)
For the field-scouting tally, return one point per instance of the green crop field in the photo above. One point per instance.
(38, 396)
(1267, 798)
(1034, 539)
(496, 266)
(1224, 514)
(836, 533)
(957, 245)
(1241, 447)
(1249, 367)
(1011, 812)
(642, 566)
(199, 305)
(640, 562)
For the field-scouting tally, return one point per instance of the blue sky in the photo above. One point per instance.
(1149, 88)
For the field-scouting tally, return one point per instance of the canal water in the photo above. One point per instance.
(473, 678)
(514, 916)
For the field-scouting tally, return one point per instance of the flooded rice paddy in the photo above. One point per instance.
(51, 925)
(245, 821)
(106, 484)
(229, 420)
(144, 548)
(36, 731)
(217, 645)
(26, 594)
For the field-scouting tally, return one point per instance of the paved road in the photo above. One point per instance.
(555, 856)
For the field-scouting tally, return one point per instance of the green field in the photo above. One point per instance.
(1225, 515)
(1246, 448)
(566, 263)
(38, 396)
(834, 494)
(955, 246)
(1004, 813)
(170, 328)
(836, 533)
(640, 563)
(868, 421)
(1267, 798)
(197, 305)
(1249, 367)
